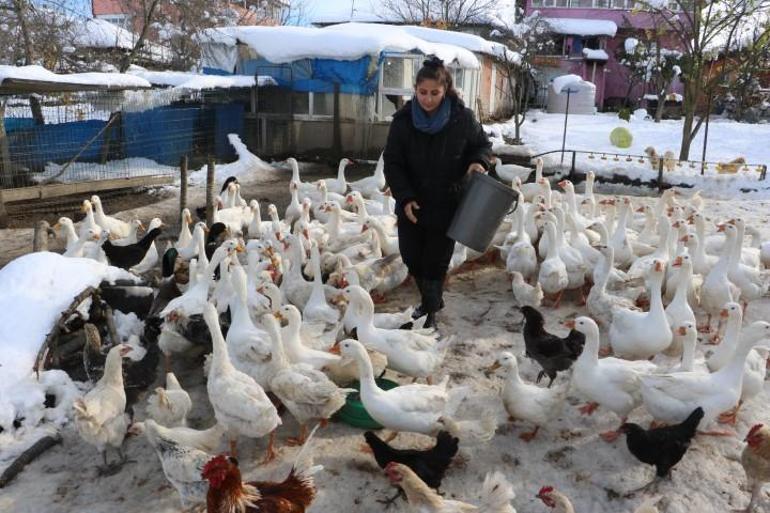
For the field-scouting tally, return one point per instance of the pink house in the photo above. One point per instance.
(586, 36)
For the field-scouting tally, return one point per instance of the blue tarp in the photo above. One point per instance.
(228, 119)
(164, 134)
(319, 75)
(12, 124)
(34, 147)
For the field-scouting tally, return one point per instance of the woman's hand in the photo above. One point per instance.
(476, 167)
(409, 211)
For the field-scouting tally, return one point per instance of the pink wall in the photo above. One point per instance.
(610, 78)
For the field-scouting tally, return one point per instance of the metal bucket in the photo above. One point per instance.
(482, 208)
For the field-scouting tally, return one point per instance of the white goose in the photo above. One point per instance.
(639, 335)
(131, 237)
(747, 279)
(671, 398)
(70, 235)
(296, 351)
(408, 352)
(116, 227)
(524, 401)
(610, 382)
(599, 303)
(304, 188)
(89, 223)
(240, 404)
(522, 256)
(306, 392)
(370, 185)
(640, 268)
(339, 185)
(294, 209)
(152, 257)
(530, 190)
(553, 273)
(717, 288)
(78, 247)
(316, 308)
(509, 172)
(679, 311)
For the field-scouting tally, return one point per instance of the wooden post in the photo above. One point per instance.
(210, 187)
(660, 174)
(3, 212)
(182, 183)
(572, 167)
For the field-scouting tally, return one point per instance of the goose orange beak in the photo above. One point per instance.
(570, 324)
(720, 228)
(658, 266)
(335, 349)
(686, 238)
(682, 331)
(677, 262)
(723, 313)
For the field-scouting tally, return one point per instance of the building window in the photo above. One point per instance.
(323, 104)
(626, 5)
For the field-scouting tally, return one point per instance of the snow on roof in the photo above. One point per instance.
(570, 81)
(582, 26)
(40, 74)
(348, 41)
(37, 288)
(472, 42)
(595, 55)
(196, 81)
(97, 33)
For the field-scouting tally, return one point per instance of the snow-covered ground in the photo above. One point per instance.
(727, 140)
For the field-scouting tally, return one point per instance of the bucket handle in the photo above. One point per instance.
(515, 204)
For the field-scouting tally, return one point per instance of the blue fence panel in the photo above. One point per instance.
(163, 134)
(228, 120)
(34, 147)
(12, 124)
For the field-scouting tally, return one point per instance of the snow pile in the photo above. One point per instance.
(595, 55)
(570, 81)
(37, 288)
(673, 97)
(630, 44)
(470, 42)
(590, 133)
(40, 74)
(124, 168)
(582, 26)
(197, 81)
(247, 165)
(347, 41)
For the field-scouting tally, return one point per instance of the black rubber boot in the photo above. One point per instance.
(432, 300)
(418, 310)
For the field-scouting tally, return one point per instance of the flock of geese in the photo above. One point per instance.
(289, 307)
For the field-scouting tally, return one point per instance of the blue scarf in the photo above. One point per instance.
(431, 124)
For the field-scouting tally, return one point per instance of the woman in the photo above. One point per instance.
(434, 143)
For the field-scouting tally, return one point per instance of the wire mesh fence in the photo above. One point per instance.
(95, 136)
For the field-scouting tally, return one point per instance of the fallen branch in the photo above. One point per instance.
(28, 457)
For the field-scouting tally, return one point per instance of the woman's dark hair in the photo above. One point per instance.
(433, 69)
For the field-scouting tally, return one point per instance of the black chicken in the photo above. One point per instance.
(663, 446)
(128, 256)
(554, 354)
(430, 464)
(217, 234)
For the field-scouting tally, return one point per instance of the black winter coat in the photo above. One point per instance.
(431, 169)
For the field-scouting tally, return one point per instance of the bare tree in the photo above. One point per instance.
(440, 13)
(526, 40)
(700, 28)
(743, 88)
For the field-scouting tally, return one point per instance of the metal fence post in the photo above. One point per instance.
(660, 174)
(572, 168)
(183, 183)
(210, 185)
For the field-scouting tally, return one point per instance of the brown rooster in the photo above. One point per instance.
(756, 461)
(229, 494)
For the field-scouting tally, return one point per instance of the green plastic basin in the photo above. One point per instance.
(354, 413)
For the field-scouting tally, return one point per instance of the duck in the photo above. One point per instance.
(304, 188)
(640, 335)
(113, 225)
(370, 185)
(388, 243)
(185, 236)
(580, 221)
(151, 258)
(307, 393)
(239, 403)
(71, 238)
(129, 256)
(687, 332)
(89, 223)
(679, 311)
(296, 351)
(717, 288)
(746, 256)
(572, 258)
(527, 402)
(668, 396)
(135, 225)
(77, 249)
(169, 406)
(411, 353)
(733, 314)
(552, 275)
(198, 241)
(609, 382)
(316, 308)
(624, 253)
(522, 256)
(100, 417)
(524, 293)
